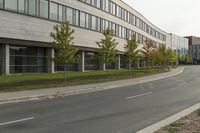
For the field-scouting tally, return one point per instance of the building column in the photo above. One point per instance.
(6, 59)
(118, 63)
(81, 64)
(50, 64)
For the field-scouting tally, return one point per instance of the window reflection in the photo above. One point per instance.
(27, 59)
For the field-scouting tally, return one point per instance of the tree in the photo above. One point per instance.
(131, 51)
(181, 59)
(63, 45)
(170, 56)
(185, 59)
(162, 52)
(189, 59)
(157, 57)
(107, 48)
(148, 50)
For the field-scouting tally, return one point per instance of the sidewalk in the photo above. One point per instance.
(51, 93)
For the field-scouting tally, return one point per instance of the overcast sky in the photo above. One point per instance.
(181, 17)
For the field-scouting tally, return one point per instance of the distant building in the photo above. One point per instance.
(179, 44)
(194, 48)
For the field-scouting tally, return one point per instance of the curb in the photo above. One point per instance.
(82, 91)
(169, 120)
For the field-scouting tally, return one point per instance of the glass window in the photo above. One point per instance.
(26, 6)
(82, 19)
(137, 22)
(102, 25)
(1, 3)
(123, 31)
(145, 27)
(69, 15)
(32, 7)
(134, 20)
(93, 2)
(54, 11)
(98, 24)
(131, 19)
(88, 1)
(11, 5)
(105, 5)
(44, 8)
(27, 59)
(98, 3)
(106, 23)
(128, 33)
(91, 63)
(75, 17)
(117, 10)
(122, 13)
(140, 38)
(93, 23)
(120, 31)
(87, 18)
(21, 6)
(125, 15)
(117, 30)
(114, 28)
(60, 13)
(140, 24)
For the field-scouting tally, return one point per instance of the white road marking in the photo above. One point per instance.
(181, 84)
(144, 94)
(16, 121)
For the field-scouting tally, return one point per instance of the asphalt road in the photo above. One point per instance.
(122, 110)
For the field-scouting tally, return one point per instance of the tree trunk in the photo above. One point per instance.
(130, 66)
(65, 71)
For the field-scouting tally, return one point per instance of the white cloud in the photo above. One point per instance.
(181, 17)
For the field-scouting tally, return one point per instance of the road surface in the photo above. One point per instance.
(121, 110)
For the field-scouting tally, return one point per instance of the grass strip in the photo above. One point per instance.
(47, 80)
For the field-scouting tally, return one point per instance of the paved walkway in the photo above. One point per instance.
(49, 93)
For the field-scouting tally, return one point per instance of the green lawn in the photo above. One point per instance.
(39, 81)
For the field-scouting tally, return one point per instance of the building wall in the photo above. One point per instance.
(26, 27)
(19, 30)
(179, 44)
(194, 48)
